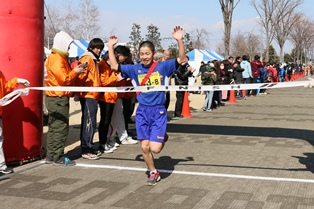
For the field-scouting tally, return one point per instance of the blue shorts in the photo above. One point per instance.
(151, 123)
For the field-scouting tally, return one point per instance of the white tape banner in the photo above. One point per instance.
(7, 99)
(23, 92)
(308, 83)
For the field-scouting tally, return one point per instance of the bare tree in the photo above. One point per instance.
(284, 18)
(200, 38)
(265, 10)
(227, 7)
(238, 44)
(243, 44)
(68, 22)
(52, 24)
(87, 27)
(302, 35)
(253, 45)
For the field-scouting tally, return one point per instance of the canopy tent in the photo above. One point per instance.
(196, 56)
(77, 48)
(204, 55)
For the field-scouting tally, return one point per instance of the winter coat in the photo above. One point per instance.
(247, 73)
(91, 77)
(108, 78)
(255, 65)
(238, 72)
(210, 78)
(181, 76)
(58, 70)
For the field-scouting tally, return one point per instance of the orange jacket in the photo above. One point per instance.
(91, 77)
(125, 95)
(6, 87)
(108, 78)
(59, 73)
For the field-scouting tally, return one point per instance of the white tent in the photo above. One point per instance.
(196, 56)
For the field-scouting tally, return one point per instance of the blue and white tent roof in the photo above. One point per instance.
(204, 55)
(78, 47)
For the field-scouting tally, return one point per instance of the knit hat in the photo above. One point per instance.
(61, 42)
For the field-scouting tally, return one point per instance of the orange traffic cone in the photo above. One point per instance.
(186, 107)
(243, 92)
(232, 98)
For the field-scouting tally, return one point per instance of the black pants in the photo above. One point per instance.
(179, 103)
(254, 80)
(89, 109)
(106, 110)
(127, 112)
(167, 102)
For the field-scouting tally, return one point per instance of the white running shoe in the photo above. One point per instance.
(129, 140)
(105, 148)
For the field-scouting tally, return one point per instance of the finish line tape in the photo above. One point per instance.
(23, 92)
(309, 83)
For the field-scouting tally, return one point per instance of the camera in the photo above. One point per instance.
(84, 64)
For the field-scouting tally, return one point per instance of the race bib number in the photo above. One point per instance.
(153, 80)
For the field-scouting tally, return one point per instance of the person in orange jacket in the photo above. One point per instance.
(5, 88)
(106, 101)
(59, 73)
(89, 100)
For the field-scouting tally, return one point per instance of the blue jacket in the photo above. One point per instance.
(262, 72)
(247, 73)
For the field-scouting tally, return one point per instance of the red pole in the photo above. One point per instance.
(22, 55)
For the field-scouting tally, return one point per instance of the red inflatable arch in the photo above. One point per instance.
(21, 55)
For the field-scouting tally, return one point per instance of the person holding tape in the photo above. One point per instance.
(151, 114)
(5, 88)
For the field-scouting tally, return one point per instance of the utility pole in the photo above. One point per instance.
(261, 37)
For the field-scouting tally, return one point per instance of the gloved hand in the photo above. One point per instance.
(23, 81)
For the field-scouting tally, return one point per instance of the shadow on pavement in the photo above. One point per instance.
(308, 161)
(307, 135)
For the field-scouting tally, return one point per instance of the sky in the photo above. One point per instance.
(117, 17)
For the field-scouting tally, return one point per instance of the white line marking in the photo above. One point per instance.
(199, 173)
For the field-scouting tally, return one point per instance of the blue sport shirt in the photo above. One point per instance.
(137, 71)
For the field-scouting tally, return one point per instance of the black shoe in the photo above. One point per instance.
(130, 120)
(6, 171)
(64, 162)
(177, 116)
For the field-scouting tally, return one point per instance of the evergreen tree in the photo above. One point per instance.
(153, 35)
(288, 58)
(273, 57)
(188, 44)
(135, 38)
